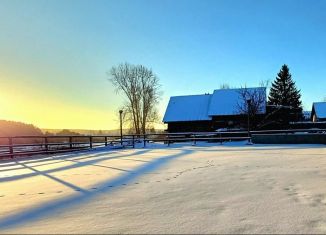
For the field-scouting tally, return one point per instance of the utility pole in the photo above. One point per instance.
(248, 112)
(120, 112)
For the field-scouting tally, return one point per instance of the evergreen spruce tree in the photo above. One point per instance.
(285, 93)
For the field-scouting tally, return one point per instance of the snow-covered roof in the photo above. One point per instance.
(320, 109)
(227, 101)
(187, 108)
(203, 107)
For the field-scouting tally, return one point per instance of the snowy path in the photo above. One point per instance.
(180, 189)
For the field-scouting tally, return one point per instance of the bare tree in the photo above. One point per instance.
(142, 91)
(225, 86)
(265, 83)
(252, 101)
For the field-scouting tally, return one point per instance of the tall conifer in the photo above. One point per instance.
(285, 93)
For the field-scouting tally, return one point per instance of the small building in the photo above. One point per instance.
(318, 113)
(306, 115)
(188, 113)
(225, 108)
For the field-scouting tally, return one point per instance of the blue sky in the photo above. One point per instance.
(54, 55)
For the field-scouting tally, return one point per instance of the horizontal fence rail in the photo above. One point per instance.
(30, 145)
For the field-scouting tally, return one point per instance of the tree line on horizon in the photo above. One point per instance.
(15, 128)
(141, 89)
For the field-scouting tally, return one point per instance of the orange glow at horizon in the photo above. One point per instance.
(34, 107)
(54, 114)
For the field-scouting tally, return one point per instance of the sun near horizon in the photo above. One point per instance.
(55, 55)
(45, 113)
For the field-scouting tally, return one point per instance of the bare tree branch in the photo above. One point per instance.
(225, 86)
(142, 90)
(257, 98)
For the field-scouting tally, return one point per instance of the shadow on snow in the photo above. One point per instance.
(62, 205)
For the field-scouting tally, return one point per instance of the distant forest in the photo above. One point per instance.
(12, 128)
(79, 132)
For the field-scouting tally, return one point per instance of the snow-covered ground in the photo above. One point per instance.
(208, 188)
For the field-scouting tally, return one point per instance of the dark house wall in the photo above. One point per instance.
(190, 126)
(235, 121)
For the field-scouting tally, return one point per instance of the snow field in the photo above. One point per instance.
(208, 188)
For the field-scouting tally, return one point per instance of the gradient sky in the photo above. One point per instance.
(54, 55)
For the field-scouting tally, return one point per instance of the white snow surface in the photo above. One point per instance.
(207, 188)
(227, 101)
(320, 109)
(202, 107)
(187, 108)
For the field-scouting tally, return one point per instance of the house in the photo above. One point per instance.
(306, 115)
(318, 113)
(188, 113)
(225, 108)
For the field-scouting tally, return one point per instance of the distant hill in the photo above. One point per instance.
(89, 132)
(80, 131)
(11, 128)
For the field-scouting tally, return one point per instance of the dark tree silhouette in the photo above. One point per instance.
(284, 93)
(12, 128)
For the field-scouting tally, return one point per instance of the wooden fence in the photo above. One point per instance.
(30, 145)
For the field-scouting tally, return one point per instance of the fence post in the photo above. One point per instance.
(168, 141)
(133, 141)
(91, 142)
(221, 142)
(106, 141)
(194, 137)
(46, 144)
(70, 142)
(144, 139)
(11, 149)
